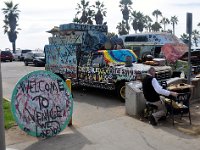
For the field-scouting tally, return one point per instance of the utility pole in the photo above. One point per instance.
(2, 130)
(189, 31)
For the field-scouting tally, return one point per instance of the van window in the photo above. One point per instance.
(136, 39)
(157, 52)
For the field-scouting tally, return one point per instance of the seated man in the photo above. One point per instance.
(152, 91)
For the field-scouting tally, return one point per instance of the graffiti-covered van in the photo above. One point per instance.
(76, 52)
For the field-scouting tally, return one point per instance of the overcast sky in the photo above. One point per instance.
(38, 16)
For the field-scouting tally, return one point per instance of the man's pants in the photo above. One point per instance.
(161, 111)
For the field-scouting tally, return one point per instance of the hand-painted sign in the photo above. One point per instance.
(42, 104)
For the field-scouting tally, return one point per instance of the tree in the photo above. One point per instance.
(164, 21)
(125, 6)
(134, 22)
(11, 13)
(101, 12)
(139, 21)
(174, 21)
(83, 8)
(121, 28)
(157, 13)
(169, 31)
(90, 16)
(148, 22)
(156, 27)
(195, 37)
(76, 20)
(185, 38)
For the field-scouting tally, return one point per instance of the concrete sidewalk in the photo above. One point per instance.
(123, 133)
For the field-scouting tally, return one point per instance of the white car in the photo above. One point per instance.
(17, 55)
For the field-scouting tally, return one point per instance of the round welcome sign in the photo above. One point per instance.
(42, 104)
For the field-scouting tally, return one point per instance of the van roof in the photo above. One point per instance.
(150, 38)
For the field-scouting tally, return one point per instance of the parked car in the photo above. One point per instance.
(6, 55)
(23, 52)
(17, 55)
(36, 58)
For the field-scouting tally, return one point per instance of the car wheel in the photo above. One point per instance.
(36, 64)
(121, 92)
(26, 63)
(11, 60)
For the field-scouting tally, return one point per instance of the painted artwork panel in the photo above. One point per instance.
(42, 104)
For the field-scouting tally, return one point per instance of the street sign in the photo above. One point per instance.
(189, 23)
(42, 104)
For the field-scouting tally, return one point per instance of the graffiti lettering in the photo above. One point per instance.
(41, 86)
(49, 129)
(45, 115)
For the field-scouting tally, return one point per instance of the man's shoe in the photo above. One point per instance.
(152, 120)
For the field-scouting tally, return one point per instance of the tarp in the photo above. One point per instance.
(173, 52)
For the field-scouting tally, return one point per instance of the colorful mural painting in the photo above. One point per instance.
(42, 104)
(118, 56)
(93, 40)
(62, 59)
(83, 27)
(89, 37)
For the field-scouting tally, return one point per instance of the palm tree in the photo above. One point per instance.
(83, 8)
(76, 20)
(156, 27)
(125, 6)
(157, 13)
(185, 38)
(148, 22)
(195, 37)
(90, 17)
(121, 28)
(164, 21)
(135, 20)
(174, 21)
(101, 12)
(11, 13)
(169, 31)
(139, 21)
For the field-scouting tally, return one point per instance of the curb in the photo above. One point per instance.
(7, 99)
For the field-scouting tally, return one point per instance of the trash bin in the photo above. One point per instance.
(134, 98)
(195, 91)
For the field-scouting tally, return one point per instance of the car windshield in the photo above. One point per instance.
(17, 51)
(39, 54)
(5, 52)
(26, 51)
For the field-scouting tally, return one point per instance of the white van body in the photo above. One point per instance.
(148, 43)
